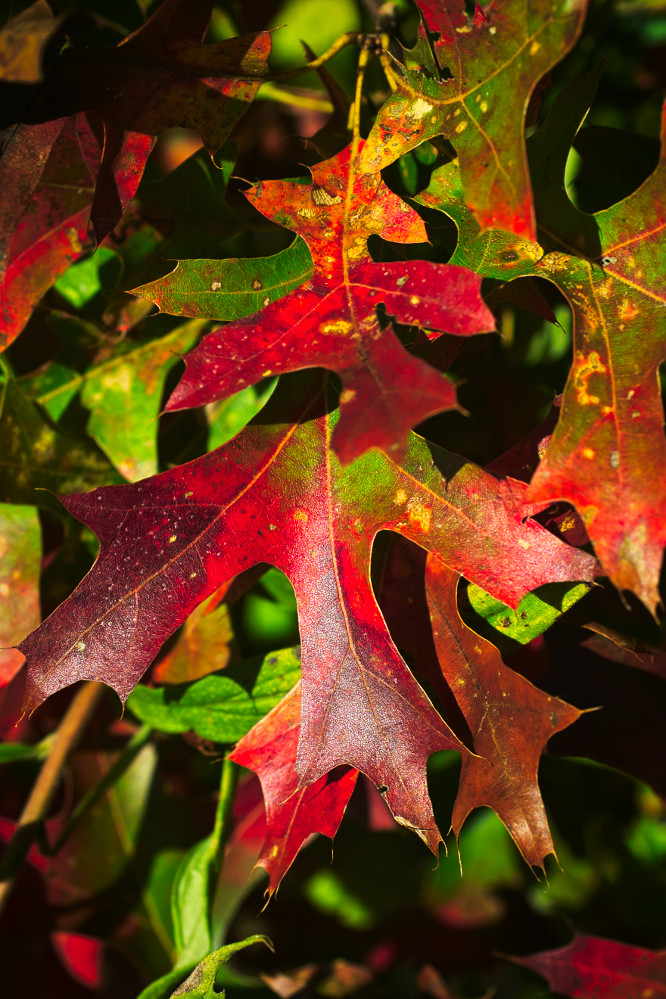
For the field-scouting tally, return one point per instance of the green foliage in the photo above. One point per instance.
(223, 706)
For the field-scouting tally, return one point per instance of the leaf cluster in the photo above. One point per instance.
(384, 555)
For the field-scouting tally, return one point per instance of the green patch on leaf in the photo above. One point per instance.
(534, 614)
(232, 288)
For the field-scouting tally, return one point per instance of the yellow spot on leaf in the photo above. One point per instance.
(356, 249)
(589, 453)
(338, 326)
(74, 241)
(568, 522)
(461, 126)
(301, 515)
(419, 109)
(400, 497)
(523, 543)
(534, 47)
(584, 368)
(627, 310)
(120, 379)
(174, 537)
(346, 396)
(418, 514)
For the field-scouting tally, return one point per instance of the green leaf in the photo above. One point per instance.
(11, 751)
(227, 418)
(534, 614)
(200, 984)
(37, 456)
(161, 987)
(82, 281)
(190, 898)
(222, 706)
(494, 252)
(123, 394)
(20, 556)
(229, 289)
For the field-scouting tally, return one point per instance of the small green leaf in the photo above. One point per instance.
(534, 614)
(200, 984)
(123, 393)
(20, 556)
(82, 281)
(228, 417)
(229, 289)
(222, 706)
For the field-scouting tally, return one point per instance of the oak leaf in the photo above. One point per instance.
(500, 714)
(47, 180)
(330, 320)
(278, 494)
(293, 812)
(475, 91)
(608, 450)
(510, 720)
(591, 966)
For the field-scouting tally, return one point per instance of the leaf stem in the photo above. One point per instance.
(349, 38)
(272, 92)
(30, 821)
(222, 826)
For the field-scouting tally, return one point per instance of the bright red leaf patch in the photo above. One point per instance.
(277, 494)
(330, 321)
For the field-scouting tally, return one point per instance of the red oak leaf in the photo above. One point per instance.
(506, 719)
(510, 720)
(158, 77)
(608, 452)
(330, 320)
(492, 62)
(47, 180)
(293, 812)
(593, 967)
(277, 494)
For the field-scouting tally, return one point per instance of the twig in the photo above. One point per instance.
(127, 756)
(35, 808)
